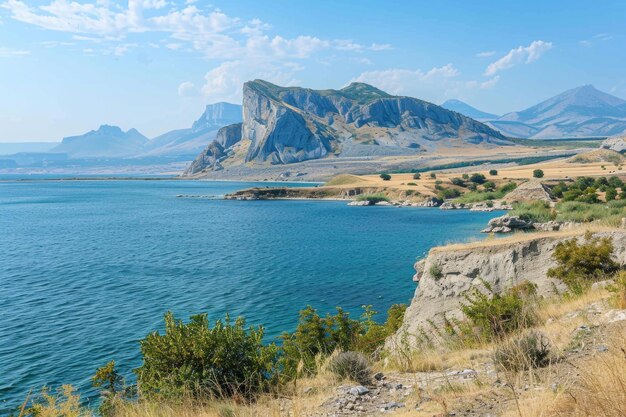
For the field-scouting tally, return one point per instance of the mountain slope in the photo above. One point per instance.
(467, 110)
(193, 140)
(108, 141)
(283, 125)
(582, 111)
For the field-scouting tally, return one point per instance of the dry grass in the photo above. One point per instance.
(525, 237)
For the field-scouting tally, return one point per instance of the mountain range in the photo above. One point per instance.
(580, 112)
(283, 125)
(112, 142)
(467, 110)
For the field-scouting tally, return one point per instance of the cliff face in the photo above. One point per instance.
(447, 273)
(283, 125)
(216, 150)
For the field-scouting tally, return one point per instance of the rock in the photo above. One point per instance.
(383, 203)
(431, 202)
(601, 284)
(613, 316)
(506, 224)
(501, 265)
(210, 158)
(359, 390)
(602, 348)
(378, 376)
(615, 143)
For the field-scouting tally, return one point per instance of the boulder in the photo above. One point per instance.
(615, 143)
(506, 223)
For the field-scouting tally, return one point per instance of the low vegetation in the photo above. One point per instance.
(373, 198)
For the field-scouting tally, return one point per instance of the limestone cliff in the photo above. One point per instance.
(283, 125)
(216, 150)
(449, 272)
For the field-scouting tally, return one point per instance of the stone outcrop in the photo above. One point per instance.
(449, 272)
(506, 224)
(283, 125)
(615, 143)
(216, 151)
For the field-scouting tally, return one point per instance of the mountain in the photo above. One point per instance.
(9, 148)
(467, 110)
(108, 141)
(582, 111)
(283, 125)
(193, 140)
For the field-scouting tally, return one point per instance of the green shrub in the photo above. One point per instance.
(477, 178)
(417, 176)
(523, 353)
(536, 211)
(495, 315)
(411, 183)
(447, 193)
(385, 177)
(538, 173)
(435, 271)
(458, 182)
(493, 172)
(374, 334)
(197, 359)
(465, 176)
(433, 175)
(580, 264)
(352, 365)
(111, 386)
(611, 194)
(317, 336)
(489, 185)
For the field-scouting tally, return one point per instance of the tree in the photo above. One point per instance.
(416, 176)
(493, 172)
(433, 175)
(458, 182)
(478, 178)
(385, 177)
(489, 185)
(611, 194)
(538, 173)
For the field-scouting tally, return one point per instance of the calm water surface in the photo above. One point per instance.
(87, 268)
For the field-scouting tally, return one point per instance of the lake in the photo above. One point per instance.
(88, 268)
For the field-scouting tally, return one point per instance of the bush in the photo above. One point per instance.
(417, 176)
(352, 365)
(611, 194)
(411, 183)
(197, 359)
(524, 353)
(477, 178)
(489, 185)
(374, 334)
(385, 177)
(579, 265)
(315, 336)
(436, 272)
(495, 315)
(538, 173)
(447, 193)
(493, 172)
(537, 211)
(458, 182)
(433, 175)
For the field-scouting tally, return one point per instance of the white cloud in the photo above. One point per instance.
(380, 47)
(187, 89)
(519, 55)
(431, 85)
(8, 52)
(485, 54)
(225, 82)
(484, 85)
(600, 37)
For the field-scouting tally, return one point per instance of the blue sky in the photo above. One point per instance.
(67, 67)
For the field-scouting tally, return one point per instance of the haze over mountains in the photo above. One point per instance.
(285, 125)
(579, 112)
(467, 110)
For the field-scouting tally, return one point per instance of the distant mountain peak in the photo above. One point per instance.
(217, 115)
(467, 110)
(578, 112)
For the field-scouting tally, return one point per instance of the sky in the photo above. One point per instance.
(67, 67)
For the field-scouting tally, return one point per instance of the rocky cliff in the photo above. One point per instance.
(216, 150)
(449, 272)
(283, 125)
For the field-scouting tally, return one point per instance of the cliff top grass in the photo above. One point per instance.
(519, 237)
(345, 179)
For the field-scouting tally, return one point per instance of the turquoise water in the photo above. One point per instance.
(87, 268)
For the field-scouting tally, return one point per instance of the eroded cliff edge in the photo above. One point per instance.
(449, 272)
